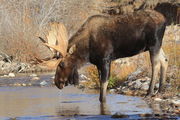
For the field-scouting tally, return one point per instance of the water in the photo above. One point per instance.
(49, 103)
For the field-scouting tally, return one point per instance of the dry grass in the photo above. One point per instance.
(22, 50)
(94, 77)
(119, 74)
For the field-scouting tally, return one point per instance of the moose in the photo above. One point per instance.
(102, 39)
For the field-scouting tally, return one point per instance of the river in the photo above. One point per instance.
(49, 103)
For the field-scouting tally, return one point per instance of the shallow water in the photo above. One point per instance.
(49, 103)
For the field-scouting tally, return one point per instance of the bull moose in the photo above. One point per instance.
(102, 39)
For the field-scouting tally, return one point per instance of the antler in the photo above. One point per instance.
(57, 41)
(58, 33)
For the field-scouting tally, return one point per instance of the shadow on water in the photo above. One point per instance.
(47, 103)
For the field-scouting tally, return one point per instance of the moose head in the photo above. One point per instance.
(66, 68)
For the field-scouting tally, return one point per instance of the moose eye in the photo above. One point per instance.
(61, 64)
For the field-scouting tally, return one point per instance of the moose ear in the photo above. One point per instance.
(72, 49)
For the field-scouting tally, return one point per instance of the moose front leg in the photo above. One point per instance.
(104, 72)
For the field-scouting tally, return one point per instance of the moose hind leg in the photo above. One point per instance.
(155, 61)
(164, 65)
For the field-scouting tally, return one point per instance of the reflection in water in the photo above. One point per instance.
(49, 101)
(104, 109)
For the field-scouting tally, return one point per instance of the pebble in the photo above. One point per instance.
(4, 76)
(17, 84)
(158, 99)
(43, 83)
(33, 75)
(11, 75)
(23, 84)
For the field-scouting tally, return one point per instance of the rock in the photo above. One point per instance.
(158, 99)
(157, 85)
(5, 76)
(176, 102)
(81, 86)
(17, 84)
(145, 86)
(53, 77)
(112, 90)
(126, 91)
(23, 84)
(137, 84)
(5, 57)
(35, 78)
(33, 75)
(133, 75)
(130, 83)
(21, 67)
(6, 66)
(146, 79)
(43, 83)
(11, 75)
